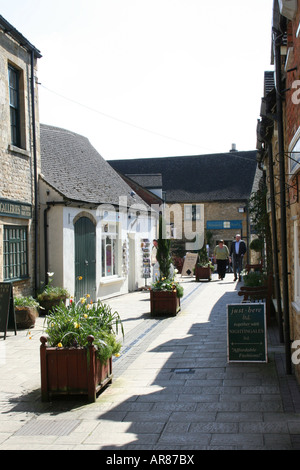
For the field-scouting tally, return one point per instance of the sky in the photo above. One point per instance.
(150, 78)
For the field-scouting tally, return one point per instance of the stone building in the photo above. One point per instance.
(19, 160)
(200, 192)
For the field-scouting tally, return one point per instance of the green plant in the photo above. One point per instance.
(254, 278)
(70, 326)
(163, 250)
(25, 302)
(203, 259)
(50, 292)
(168, 284)
(256, 244)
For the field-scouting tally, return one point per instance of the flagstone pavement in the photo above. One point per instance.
(173, 388)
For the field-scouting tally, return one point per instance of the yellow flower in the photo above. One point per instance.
(59, 345)
(79, 278)
(117, 355)
(87, 296)
(85, 315)
(77, 325)
(82, 300)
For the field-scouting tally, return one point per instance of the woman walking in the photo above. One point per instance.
(221, 254)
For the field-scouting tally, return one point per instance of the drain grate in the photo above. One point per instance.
(39, 427)
(183, 371)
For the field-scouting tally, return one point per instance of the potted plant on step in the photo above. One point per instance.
(51, 296)
(26, 312)
(76, 352)
(165, 293)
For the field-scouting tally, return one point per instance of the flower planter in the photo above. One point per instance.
(72, 371)
(47, 305)
(25, 317)
(164, 303)
(202, 273)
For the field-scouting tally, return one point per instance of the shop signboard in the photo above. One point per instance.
(246, 332)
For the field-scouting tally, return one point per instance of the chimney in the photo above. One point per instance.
(233, 148)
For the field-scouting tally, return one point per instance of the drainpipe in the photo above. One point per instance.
(46, 243)
(283, 231)
(275, 243)
(35, 176)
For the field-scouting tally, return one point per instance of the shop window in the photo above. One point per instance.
(109, 250)
(15, 253)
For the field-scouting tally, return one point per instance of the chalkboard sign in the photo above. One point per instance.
(189, 264)
(246, 332)
(7, 310)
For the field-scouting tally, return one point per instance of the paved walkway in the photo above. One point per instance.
(172, 390)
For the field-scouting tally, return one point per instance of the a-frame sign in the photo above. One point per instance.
(7, 310)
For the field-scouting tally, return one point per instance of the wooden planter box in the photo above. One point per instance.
(164, 303)
(72, 371)
(202, 273)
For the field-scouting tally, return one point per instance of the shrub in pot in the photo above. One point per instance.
(26, 311)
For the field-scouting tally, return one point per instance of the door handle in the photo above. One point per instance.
(86, 262)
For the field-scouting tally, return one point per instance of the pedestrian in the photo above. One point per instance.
(221, 254)
(237, 252)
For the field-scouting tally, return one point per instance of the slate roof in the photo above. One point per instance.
(198, 178)
(153, 181)
(72, 166)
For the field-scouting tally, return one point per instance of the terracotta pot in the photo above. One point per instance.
(25, 317)
(164, 303)
(202, 273)
(72, 371)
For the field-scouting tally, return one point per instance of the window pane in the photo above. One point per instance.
(15, 257)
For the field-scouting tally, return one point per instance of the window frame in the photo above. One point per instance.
(14, 106)
(109, 231)
(15, 252)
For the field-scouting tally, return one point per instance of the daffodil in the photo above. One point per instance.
(77, 325)
(85, 315)
(59, 345)
(82, 300)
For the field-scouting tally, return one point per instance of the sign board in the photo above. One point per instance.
(7, 310)
(189, 264)
(246, 332)
(15, 209)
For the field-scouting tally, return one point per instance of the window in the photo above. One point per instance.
(15, 255)
(109, 250)
(14, 104)
(192, 211)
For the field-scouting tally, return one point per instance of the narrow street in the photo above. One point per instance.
(173, 388)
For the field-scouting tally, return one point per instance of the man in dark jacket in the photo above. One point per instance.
(238, 249)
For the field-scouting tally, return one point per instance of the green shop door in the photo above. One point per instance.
(85, 259)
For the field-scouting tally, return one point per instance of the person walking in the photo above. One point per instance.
(237, 252)
(221, 254)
